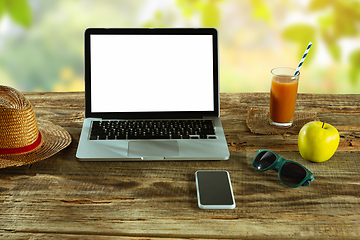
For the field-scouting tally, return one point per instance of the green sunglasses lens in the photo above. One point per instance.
(264, 160)
(292, 174)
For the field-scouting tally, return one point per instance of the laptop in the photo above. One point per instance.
(151, 94)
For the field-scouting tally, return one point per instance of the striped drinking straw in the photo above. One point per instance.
(303, 58)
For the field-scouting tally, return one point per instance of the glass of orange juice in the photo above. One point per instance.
(283, 92)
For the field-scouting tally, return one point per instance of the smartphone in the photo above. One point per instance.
(214, 190)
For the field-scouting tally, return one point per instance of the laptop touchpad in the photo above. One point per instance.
(153, 148)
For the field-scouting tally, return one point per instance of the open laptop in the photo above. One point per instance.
(151, 94)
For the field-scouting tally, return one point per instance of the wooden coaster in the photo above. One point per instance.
(258, 122)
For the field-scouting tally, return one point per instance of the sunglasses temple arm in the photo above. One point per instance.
(307, 182)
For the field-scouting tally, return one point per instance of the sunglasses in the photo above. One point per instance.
(290, 173)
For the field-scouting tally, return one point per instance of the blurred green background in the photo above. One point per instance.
(41, 41)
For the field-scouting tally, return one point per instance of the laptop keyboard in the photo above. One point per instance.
(152, 129)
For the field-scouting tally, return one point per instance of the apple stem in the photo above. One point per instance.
(323, 124)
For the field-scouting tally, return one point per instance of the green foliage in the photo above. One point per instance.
(261, 10)
(207, 9)
(337, 19)
(210, 15)
(157, 21)
(189, 7)
(341, 21)
(355, 66)
(301, 34)
(25, 53)
(42, 59)
(18, 10)
(316, 5)
(2, 8)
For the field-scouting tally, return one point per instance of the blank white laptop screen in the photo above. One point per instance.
(151, 73)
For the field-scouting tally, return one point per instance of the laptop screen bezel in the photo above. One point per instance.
(150, 31)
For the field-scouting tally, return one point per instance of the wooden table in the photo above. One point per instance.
(61, 198)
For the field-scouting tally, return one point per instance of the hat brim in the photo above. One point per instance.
(54, 139)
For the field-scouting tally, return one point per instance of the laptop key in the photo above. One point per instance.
(111, 137)
(194, 137)
(93, 137)
(121, 137)
(102, 137)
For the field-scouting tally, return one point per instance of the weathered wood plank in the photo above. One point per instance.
(63, 198)
(150, 198)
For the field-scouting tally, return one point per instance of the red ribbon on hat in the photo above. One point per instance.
(28, 148)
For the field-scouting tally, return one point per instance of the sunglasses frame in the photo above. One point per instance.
(279, 163)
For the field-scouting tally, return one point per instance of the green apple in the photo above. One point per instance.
(318, 141)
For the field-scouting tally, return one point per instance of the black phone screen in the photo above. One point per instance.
(214, 189)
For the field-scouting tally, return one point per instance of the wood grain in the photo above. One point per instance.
(62, 198)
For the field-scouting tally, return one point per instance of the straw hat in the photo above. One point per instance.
(23, 140)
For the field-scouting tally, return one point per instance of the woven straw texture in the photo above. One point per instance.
(19, 128)
(258, 122)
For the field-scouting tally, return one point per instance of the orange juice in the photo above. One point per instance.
(283, 94)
